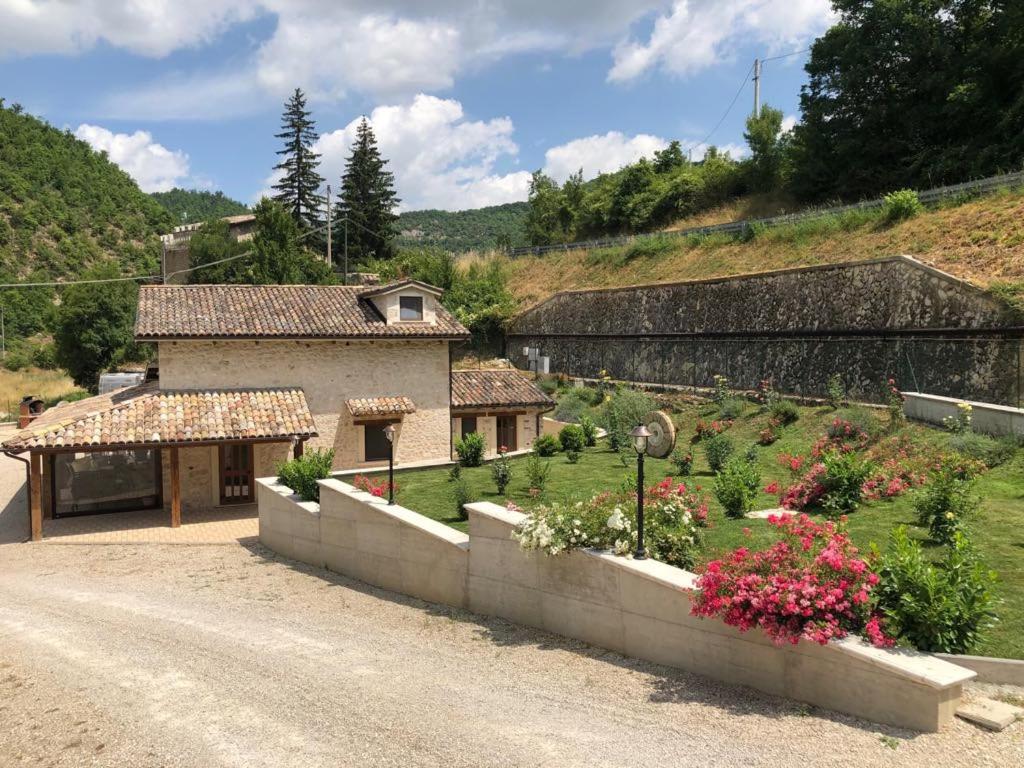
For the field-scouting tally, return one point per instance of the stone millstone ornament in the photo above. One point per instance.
(663, 434)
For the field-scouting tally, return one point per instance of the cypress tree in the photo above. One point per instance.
(299, 188)
(368, 200)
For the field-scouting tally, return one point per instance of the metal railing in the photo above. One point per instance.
(928, 196)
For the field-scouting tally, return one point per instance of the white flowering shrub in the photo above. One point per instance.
(673, 519)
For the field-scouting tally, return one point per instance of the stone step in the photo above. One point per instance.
(989, 713)
(764, 514)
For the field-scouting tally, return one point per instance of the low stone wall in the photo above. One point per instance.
(987, 418)
(637, 608)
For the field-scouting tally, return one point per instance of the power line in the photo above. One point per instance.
(743, 84)
(785, 55)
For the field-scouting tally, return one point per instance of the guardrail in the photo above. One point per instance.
(928, 196)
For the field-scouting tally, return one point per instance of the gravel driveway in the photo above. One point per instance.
(164, 655)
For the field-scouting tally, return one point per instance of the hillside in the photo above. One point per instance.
(190, 205)
(64, 208)
(981, 240)
(480, 229)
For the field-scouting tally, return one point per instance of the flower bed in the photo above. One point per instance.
(674, 516)
(811, 584)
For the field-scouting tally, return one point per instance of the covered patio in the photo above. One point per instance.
(144, 452)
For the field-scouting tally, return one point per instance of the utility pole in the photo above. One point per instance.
(757, 87)
(329, 263)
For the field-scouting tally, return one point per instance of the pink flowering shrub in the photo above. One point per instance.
(707, 429)
(810, 585)
(378, 488)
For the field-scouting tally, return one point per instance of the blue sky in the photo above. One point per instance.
(466, 97)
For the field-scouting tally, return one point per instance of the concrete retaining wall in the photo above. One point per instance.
(637, 608)
(987, 418)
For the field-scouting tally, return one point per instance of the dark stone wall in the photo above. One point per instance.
(868, 322)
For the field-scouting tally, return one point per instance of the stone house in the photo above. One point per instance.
(249, 375)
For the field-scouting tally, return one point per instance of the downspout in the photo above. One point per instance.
(28, 485)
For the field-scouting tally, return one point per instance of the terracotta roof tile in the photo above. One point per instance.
(495, 389)
(146, 415)
(380, 406)
(274, 311)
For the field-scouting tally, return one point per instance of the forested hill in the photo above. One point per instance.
(481, 229)
(65, 207)
(191, 205)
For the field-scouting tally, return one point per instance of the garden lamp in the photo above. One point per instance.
(389, 433)
(640, 435)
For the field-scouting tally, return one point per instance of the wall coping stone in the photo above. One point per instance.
(271, 483)
(923, 668)
(427, 525)
(1009, 410)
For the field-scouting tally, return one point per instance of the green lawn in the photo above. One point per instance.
(998, 531)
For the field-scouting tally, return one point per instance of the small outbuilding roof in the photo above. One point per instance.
(148, 416)
(380, 406)
(275, 311)
(496, 389)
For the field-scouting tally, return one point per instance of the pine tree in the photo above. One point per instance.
(367, 200)
(299, 188)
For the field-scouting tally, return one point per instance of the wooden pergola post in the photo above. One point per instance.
(175, 489)
(35, 495)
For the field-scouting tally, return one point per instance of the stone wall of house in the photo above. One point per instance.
(526, 431)
(199, 470)
(330, 372)
(867, 321)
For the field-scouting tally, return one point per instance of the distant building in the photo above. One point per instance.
(175, 243)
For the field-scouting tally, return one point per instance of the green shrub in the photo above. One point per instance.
(571, 405)
(548, 386)
(862, 420)
(720, 392)
(945, 502)
(902, 204)
(736, 486)
(45, 356)
(572, 438)
(939, 607)
(589, 431)
(842, 480)
(836, 391)
(470, 450)
(717, 450)
(682, 460)
(454, 473)
(732, 407)
(573, 457)
(990, 451)
(537, 472)
(302, 473)
(461, 496)
(546, 445)
(501, 472)
(784, 411)
(626, 408)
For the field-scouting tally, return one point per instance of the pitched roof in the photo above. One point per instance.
(380, 290)
(146, 415)
(274, 311)
(495, 389)
(380, 406)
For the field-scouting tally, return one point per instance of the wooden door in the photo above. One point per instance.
(237, 473)
(507, 432)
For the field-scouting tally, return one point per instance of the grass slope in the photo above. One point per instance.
(998, 531)
(981, 240)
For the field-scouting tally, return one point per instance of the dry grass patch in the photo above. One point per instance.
(49, 385)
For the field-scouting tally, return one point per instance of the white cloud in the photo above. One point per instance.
(697, 34)
(151, 28)
(789, 123)
(599, 154)
(154, 167)
(439, 158)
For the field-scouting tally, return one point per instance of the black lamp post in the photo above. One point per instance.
(640, 434)
(389, 433)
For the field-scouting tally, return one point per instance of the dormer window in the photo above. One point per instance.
(410, 308)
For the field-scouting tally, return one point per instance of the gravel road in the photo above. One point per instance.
(163, 655)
